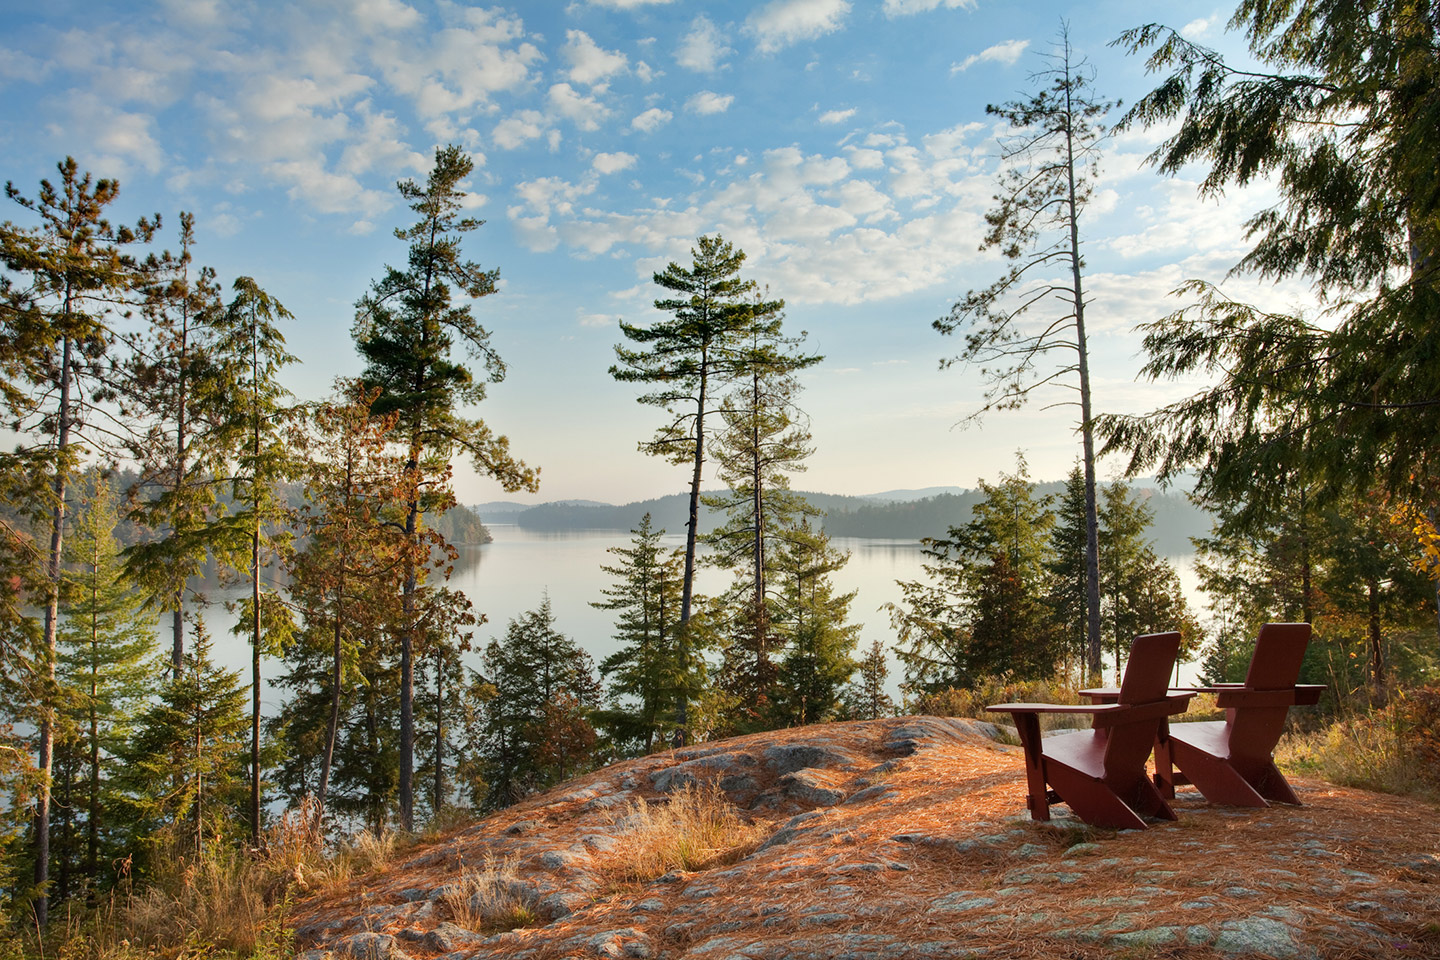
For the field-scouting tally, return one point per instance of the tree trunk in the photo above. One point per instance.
(45, 748)
(255, 685)
(1377, 649)
(692, 527)
(407, 664)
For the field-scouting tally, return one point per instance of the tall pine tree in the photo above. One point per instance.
(407, 329)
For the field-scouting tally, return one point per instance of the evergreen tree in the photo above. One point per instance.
(106, 643)
(1069, 582)
(764, 438)
(250, 350)
(1048, 170)
(645, 674)
(406, 329)
(348, 576)
(67, 272)
(813, 617)
(1338, 107)
(185, 767)
(689, 358)
(176, 393)
(982, 613)
(865, 697)
(544, 685)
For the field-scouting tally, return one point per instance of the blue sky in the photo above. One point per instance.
(843, 144)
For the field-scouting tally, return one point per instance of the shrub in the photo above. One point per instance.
(1392, 749)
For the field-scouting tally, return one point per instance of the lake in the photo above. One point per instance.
(512, 574)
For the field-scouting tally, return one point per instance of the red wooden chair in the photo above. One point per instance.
(1100, 772)
(1230, 760)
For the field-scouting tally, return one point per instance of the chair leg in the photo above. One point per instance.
(1267, 781)
(1093, 801)
(1215, 778)
(1164, 766)
(1027, 725)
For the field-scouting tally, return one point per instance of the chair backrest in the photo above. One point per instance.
(1147, 672)
(1147, 677)
(1278, 652)
(1253, 732)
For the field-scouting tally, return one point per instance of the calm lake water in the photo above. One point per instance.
(511, 575)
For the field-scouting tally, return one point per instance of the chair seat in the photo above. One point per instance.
(1081, 750)
(1210, 736)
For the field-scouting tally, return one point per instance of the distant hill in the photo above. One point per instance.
(873, 517)
(668, 513)
(905, 496)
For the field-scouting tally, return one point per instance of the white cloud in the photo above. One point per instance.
(645, 72)
(782, 23)
(864, 159)
(836, 116)
(901, 8)
(590, 63)
(596, 319)
(1007, 53)
(18, 65)
(626, 4)
(1197, 28)
(380, 145)
(375, 16)
(585, 112)
(460, 67)
(652, 120)
(606, 163)
(703, 49)
(519, 128)
(707, 102)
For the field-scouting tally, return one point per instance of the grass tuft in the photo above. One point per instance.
(695, 829)
(492, 898)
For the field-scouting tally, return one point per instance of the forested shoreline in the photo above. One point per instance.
(1176, 519)
(148, 790)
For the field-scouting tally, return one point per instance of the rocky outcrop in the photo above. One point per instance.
(907, 838)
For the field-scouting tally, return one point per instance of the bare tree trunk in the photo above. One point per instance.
(45, 749)
(692, 527)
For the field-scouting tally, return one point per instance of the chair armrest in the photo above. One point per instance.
(1102, 694)
(1138, 712)
(1049, 707)
(1288, 697)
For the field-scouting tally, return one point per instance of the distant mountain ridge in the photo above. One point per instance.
(894, 515)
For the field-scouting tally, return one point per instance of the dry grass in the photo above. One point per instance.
(492, 898)
(1370, 751)
(695, 829)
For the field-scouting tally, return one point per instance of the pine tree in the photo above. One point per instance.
(689, 358)
(1337, 108)
(1069, 585)
(185, 765)
(543, 684)
(250, 350)
(106, 643)
(1048, 170)
(865, 697)
(68, 271)
(817, 662)
(764, 438)
(348, 576)
(174, 392)
(982, 614)
(645, 674)
(406, 329)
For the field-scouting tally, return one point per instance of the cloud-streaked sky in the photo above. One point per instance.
(843, 144)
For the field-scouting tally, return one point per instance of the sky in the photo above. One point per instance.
(844, 145)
